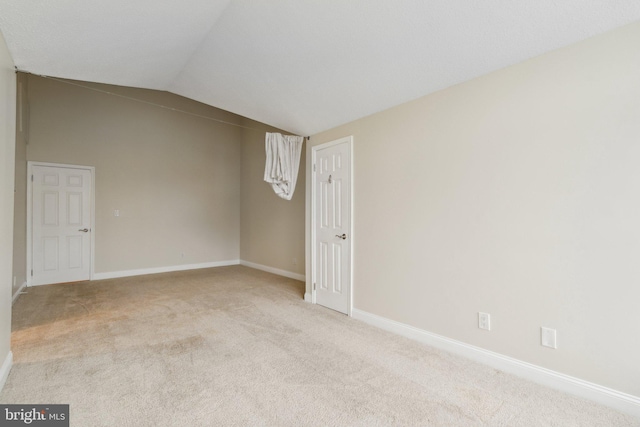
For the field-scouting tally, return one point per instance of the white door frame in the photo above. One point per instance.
(314, 150)
(92, 170)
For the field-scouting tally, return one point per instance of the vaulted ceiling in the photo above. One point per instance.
(301, 65)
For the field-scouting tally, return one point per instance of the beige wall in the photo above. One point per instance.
(20, 196)
(516, 194)
(174, 177)
(7, 160)
(272, 229)
(182, 183)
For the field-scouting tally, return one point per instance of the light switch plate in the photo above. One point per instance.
(548, 337)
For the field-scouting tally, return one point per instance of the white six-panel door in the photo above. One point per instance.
(60, 224)
(332, 224)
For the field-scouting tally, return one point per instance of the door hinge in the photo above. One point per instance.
(314, 167)
(31, 178)
(31, 272)
(314, 286)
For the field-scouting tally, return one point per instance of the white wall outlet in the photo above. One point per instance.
(116, 212)
(548, 337)
(295, 261)
(484, 321)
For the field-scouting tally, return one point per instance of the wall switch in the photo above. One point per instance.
(548, 337)
(484, 321)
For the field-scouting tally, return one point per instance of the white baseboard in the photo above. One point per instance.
(142, 271)
(622, 402)
(17, 294)
(5, 369)
(277, 271)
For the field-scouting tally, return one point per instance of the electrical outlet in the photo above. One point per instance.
(116, 212)
(484, 321)
(295, 261)
(548, 337)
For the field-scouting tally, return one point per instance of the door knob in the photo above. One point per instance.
(343, 236)
(84, 230)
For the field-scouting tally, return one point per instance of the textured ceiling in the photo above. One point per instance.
(301, 65)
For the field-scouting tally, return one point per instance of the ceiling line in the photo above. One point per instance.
(143, 101)
(195, 51)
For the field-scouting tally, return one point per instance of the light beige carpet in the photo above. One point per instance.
(237, 346)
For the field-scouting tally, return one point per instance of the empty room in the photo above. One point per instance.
(319, 213)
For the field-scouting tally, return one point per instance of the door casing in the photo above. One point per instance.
(30, 166)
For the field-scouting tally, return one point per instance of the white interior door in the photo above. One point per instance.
(60, 224)
(332, 225)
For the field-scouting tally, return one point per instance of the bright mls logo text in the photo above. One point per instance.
(38, 415)
(28, 417)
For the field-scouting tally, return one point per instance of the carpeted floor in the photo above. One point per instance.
(237, 346)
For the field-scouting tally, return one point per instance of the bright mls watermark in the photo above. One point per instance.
(34, 415)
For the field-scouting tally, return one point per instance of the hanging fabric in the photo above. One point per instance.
(283, 162)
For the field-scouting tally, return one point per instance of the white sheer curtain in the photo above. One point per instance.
(283, 162)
